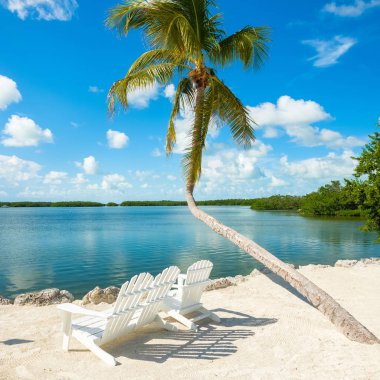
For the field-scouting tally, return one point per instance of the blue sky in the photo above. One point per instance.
(315, 102)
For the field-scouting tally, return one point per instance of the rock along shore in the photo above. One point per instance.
(108, 295)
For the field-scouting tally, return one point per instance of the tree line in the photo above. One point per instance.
(359, 197)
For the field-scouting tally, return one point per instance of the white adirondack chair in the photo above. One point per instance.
(186, 299)
(138, 303)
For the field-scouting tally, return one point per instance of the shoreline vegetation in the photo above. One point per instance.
(333, 200)
(218, 202)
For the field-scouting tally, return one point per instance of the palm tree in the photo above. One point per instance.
(185, 39)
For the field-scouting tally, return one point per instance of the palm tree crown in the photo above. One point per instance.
(185, 38)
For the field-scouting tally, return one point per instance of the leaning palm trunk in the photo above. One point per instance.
(183, 36)
(340, 317)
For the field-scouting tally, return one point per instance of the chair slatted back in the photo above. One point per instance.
(158, 292)
(130, 297)
(138, 302)
(197, 279)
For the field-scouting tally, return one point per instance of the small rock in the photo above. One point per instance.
(370, 261)
(5, 301)
(44, 297)
(239, 278)
(98, 295)
(220, 284)
(291, 265)
(346, 263)
(314, 266)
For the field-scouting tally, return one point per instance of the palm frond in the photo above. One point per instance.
(144, 78)
(183, 99)
(248, 45)
(232, 112)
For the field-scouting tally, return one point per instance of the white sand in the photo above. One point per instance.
(266, 332)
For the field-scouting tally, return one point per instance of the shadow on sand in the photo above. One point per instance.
(212, 341)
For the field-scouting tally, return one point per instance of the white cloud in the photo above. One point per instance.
(62, 10)
(55, 178)
(14, 169)
(8, 92)
(328, 52)
(156, 152)
(332, 166)
(169, 91)
(89, 165)
(115, 182)
(140, 98)
(24, 132)
(295, 117)
(171, 177)
(352, 10)
(95, 90)
(79, 179)
(277, 182)
(228, 169)
(117, 140)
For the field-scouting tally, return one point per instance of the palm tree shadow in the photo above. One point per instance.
(210, 342)
(244, 320)
(281, 282)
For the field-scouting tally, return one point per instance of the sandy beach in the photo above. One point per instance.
(266, 332)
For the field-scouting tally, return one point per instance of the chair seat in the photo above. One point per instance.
(93, 327)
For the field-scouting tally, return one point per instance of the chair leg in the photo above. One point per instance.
(214, 317)
(166, 325)
(100, 353)
(185, 321)
(66, 328)
(210, 315)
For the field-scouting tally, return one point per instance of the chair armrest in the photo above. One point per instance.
(182, 279)
(75, 309)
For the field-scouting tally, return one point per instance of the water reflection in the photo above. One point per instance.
(77, 249)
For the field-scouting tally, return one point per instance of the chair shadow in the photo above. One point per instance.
(210, 342)
(13, 342)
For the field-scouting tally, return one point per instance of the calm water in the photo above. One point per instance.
(79, 248)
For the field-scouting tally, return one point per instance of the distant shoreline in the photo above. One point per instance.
(220, 202)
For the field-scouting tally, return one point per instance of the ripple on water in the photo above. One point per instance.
(77, 249)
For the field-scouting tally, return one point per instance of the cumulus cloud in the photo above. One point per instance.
(295, 118)
(61, 10)
(9, 92)
(328, 52)
(357, 8)
(116, 139)
(230, 168)
(326, 168)
(95, 90)
(169, 91)
(79, 179)
(183, 125)
(171, 177)
(23, 131)
(55, 178)
(89, 165)
(14, 169)
(115, 182)
(140, 98)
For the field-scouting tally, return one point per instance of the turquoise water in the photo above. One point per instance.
(79, 248)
